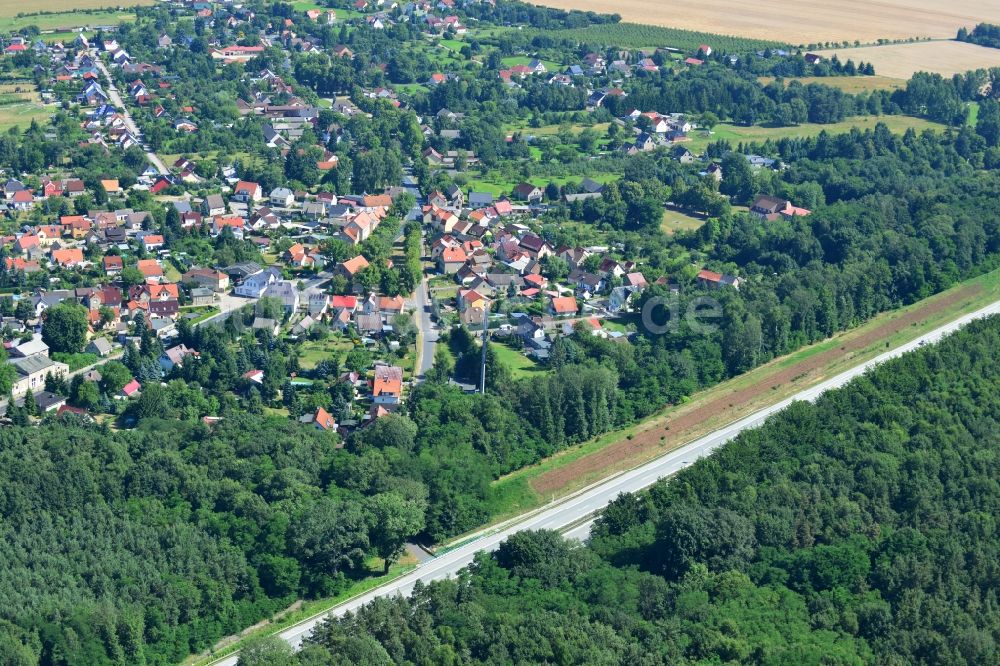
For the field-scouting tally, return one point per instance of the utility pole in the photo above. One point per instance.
(482, 371)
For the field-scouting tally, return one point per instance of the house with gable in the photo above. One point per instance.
(387, 385)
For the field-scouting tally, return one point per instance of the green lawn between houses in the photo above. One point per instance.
(64, 21)
(735, 134)
(520, 365)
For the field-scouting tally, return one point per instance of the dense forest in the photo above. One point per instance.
(143, 546)
(984, 34)
(859, 529)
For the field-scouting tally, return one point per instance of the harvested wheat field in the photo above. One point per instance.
(902, 60)
(797, 22)
(849, 84)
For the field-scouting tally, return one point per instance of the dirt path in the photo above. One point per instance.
(680, 426)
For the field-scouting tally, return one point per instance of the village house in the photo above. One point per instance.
(563, 306)
(773, 208)
(281, 197)
(528, 192)
(207, 278)
(349, 269)
(712, 280)
(451, 259)
(254, 285)
(387, 385)
(286, 292)
(99, 346)
(247, 192)
(212, 205)
(33, 347)
(202, 296)
(150, 268)
(175, 356)
(320, 419)
(32, 371)
(112, 264)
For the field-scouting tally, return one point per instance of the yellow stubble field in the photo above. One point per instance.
(941, 57)
(802, 22)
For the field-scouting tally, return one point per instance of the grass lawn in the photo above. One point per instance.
(601, 129)
(513, 494)
(973, 114)
(410, 88)
(849, 84)
(272, 411)
(675, 220)
(21, 88)
(549, 130)
(520, 365)
(444, 57)
(603, 177)
(342, 14)
(497, 185)
(20, 114)
(64, 36)
(75, 361)
(171, 272)
(199, 313)
(550, 65)
(736, 134)
(452, 44)
(312, 352)
(445, 293)
(61, 20)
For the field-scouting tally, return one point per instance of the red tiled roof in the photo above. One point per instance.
(355, 265)
(709, 276)
(349, 302)
(564, 305)
(324, 420)
(388, 379)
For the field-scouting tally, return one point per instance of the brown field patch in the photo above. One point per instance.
(682, 427)
(941, 57)
(799, 22)
(849, 84)
(25, 91)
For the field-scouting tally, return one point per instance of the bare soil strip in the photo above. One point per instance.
(679, 428)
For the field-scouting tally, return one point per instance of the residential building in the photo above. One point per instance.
(202, 297)
(563, 306)
(99, 346)
(207, 278)
(254, 286)
(285, 291)
(387, 386)
(175, 356)
(213, 205)
(712, 280)
(32, 371)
